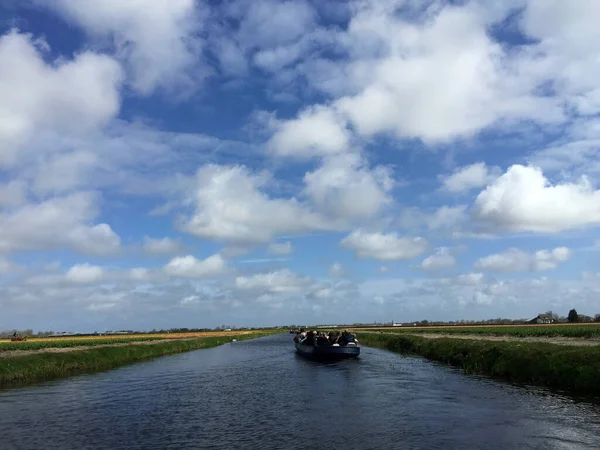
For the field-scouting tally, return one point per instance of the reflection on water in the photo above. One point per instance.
(260, 395)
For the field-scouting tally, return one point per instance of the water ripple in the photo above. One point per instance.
(261, 395)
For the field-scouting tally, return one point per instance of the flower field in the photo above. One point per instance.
(83, 341)
(583, 330)
(27, 365)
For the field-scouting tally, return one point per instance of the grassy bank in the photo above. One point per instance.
(42, 366)
(573, 369)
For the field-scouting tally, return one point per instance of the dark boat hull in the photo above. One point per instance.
(327, 352)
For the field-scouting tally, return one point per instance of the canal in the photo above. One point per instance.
(260, 395)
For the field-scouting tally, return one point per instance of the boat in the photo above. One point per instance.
(328, 352)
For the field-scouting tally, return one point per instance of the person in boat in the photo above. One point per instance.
(297, 336)
(306, 338)
(321, 339)
(347, 338)
(331, 338)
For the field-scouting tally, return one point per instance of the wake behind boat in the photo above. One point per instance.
(336, 346)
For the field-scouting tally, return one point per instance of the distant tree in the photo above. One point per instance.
(573, 317)
(597, 318)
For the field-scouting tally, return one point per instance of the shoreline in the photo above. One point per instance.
(39, 366)
(573, 369)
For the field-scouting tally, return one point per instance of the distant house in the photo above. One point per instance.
(543, 318)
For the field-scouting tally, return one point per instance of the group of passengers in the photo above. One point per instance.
(321, 338)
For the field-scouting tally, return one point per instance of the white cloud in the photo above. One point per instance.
(469, 177)
(64, 172)
(317, 131)
(84, 273)
(577, 152)
(516, 260)
(336, 270)
(440, 260)
(470, 279)
(447, 217)
(441, 219)
(570, 37)
(282, 281)
(344, 187)
(6, 266)
(524, 200)
(272, 23)
(383, 269)
(158, 41)
(73, 95)
(272, 35)
(384, 247)
(190, 267)
(280, 248)
(232, 205)
(139, 274)
(13, 194)
(162, 247)
(64, 221)
(436, 78)
(231, 57)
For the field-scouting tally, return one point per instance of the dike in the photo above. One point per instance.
(575, 370)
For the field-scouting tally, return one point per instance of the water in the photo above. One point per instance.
(260, 395)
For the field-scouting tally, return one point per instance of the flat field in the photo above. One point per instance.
(578, 330)
(93, 341)
(45, 359)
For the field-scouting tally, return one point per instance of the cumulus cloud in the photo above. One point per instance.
(162, 246)
(157, 41)
(280, 248)
(438, 74)
(384, 247)
(516, 260)
(442, 259)
(316, 131)
(62, 221)
(232, 205)
(73, 95)
(345, 188)
(191, 267)
(272, 35)
(524, 200)
(570, 38)
(437, 78)
(84, 273)
(469, 177)
(272, 23)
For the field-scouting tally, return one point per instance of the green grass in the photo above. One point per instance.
(580, 331)
(567, 368)
(33, 368)
(6, 346)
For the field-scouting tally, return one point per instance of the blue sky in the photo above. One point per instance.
(187, 163)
